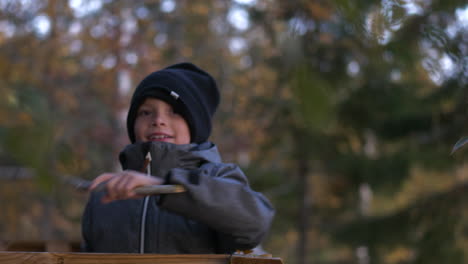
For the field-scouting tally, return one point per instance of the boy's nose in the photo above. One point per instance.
(158, 120)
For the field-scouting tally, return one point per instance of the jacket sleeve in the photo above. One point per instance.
(85, 229)
(219, 195)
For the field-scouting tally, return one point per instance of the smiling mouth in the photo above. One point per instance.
(159, 137)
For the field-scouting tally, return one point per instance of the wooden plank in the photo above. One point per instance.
(87, 258)
(95, 258)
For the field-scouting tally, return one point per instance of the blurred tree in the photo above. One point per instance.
(379, 98)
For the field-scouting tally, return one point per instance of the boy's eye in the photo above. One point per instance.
(171, 111)
(143, 113)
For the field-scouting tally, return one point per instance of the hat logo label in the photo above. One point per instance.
(175, 95)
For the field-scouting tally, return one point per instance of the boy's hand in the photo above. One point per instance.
(120, 185)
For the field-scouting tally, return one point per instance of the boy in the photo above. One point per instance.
(170, 117)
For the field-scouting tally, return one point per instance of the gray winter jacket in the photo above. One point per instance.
(218, 213)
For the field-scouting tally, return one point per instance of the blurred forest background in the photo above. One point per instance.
(342, 112)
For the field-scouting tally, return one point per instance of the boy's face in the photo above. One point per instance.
(157, 121)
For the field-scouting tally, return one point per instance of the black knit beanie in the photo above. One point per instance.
(190, 91)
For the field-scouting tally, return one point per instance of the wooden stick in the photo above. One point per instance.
(159, 189)
(83, 185)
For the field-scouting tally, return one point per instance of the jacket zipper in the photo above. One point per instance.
(145, 208)
(143, 222)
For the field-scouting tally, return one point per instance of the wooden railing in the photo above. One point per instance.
(95, 258)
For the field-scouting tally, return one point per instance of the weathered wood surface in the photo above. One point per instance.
(95, 258)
